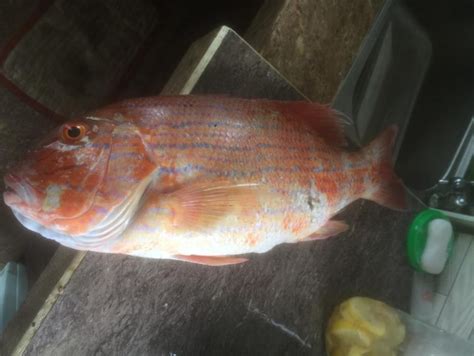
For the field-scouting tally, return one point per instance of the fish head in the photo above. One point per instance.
(63, 189)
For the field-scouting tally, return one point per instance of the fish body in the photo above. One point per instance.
(198, 178)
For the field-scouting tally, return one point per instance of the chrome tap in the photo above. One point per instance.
(454, 194)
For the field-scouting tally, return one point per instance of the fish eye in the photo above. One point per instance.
(73, 132)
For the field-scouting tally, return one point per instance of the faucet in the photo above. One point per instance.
(454, 194)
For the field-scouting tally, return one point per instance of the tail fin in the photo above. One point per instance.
(390, 191)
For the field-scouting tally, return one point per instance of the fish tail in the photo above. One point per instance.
(387, 189)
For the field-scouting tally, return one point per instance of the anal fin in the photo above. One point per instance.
(211, 260)
(331, 228)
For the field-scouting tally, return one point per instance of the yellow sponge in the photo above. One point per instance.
(363, 326)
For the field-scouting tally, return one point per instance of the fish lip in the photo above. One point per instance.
(17, 191)
(10, 195)
(11, 180)
(35, 226)
(11, 198)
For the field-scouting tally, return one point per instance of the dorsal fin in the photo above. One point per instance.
(321, 118)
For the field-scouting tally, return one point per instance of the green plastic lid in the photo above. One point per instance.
(417, 235)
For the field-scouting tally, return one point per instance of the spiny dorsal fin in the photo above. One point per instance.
(321, 118)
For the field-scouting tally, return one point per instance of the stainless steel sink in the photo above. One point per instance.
(384, 81)
(445, 104)
(462, 167)
(462, 159)
(415, 69)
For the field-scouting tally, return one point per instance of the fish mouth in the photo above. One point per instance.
(11, 198)
(17, 191)
(99, 238)
(35, 226)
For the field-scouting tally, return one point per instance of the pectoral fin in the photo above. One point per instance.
(200, 205)
(211, 260)
(331, 228)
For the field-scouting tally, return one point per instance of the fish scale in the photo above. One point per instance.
(200, 178)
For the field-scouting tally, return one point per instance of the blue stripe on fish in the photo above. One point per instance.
(205, 145)
(185, 146)
(213, 124)
(145, 228)
(99, 145)
(122, 154)
(192, 168)
(154, 210)
(101, 210)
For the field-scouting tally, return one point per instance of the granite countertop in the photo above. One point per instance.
(312, 42)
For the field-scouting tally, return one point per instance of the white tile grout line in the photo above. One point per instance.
(437, 296)
(455, 278)
(48, 304)
(471, 336)
(451, 262)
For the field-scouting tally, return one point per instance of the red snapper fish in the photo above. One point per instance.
(201, 179)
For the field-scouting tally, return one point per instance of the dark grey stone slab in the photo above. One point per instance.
(236, 69)
(14, 14)
(20, 127)
(275, 304)
(78, 60)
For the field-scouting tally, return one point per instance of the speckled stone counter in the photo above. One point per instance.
(275, 304)
(312, 42)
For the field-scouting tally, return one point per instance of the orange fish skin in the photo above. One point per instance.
(207, 176)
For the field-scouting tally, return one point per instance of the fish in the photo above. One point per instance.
(201, 179)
